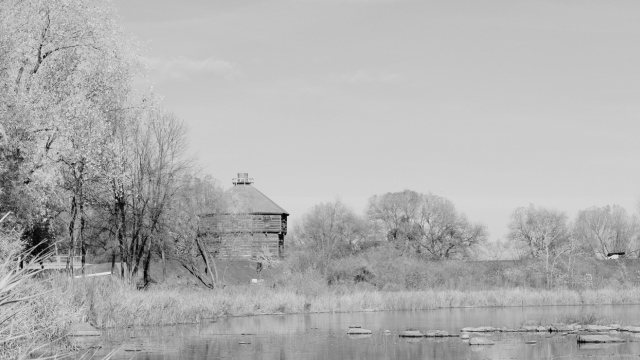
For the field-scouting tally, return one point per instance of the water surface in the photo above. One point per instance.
(323, 336)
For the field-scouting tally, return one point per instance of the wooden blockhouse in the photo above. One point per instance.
(255, 228)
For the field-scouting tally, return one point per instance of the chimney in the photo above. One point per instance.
(242, 179)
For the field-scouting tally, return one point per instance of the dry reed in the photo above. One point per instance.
(108, 302)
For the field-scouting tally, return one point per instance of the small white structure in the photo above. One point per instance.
(615, 255)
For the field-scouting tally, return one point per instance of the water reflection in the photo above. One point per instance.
(323, 336)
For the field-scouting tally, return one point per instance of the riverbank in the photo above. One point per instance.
(108, 303)
(56, 301)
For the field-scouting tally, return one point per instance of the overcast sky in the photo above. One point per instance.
(493, 104)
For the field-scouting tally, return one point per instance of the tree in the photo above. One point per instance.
(444, 233)
(64, 75)
(426, 224)
(189, 233)
(608, 229)
(331, 230)
(541, 232)
(159, 164)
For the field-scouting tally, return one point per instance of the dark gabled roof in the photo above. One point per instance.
(253, 201)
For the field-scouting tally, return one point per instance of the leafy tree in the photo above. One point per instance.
(66, 73)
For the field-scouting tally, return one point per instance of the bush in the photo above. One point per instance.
(349, 270)
(309, 283)
(388, 268)
(10, 242)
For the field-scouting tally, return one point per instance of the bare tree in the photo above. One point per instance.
(608, 229)
(160, 164)
(541, 232)
(331, 230)
(426, 224)
(190, 232)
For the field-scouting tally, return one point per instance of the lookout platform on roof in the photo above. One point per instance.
(256, 228)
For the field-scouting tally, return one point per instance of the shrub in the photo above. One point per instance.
(349, 270)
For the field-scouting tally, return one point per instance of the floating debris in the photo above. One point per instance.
(479, 329)
(411, 333)
(632, 329)
(481, 341)
(439, 333)
(597, 328)
(599, 339)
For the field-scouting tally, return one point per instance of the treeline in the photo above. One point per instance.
(85, 157)
(396, 240)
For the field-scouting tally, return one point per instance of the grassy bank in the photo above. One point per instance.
(107, 302)
(33, 314)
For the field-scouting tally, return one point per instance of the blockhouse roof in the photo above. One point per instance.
(252, 200)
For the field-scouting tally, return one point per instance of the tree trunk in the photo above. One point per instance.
(203, 252)
(83, 248)
(139, 254)
(72, 230)
(113, 262)
(164, 264)
(547, 266)
(147, 263)
(120, 210)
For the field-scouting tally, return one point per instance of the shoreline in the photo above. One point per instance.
(363, 311)
(121, 306)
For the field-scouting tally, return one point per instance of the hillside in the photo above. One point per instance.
(234, 272)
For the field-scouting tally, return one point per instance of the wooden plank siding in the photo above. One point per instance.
(247, 246)
(233, 236)
(222, 224)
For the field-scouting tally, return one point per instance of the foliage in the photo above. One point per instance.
(10, 239)
(426, 224)
(84, 157)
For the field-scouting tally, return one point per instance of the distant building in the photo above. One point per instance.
(256, 226)
(615, 255)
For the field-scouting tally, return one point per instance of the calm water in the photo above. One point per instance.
(323, 336)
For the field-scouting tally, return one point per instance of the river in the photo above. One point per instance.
(323, 336)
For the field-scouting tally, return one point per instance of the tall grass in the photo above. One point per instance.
(33, 317)
(108, 302)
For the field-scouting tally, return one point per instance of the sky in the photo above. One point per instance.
(493, 104)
